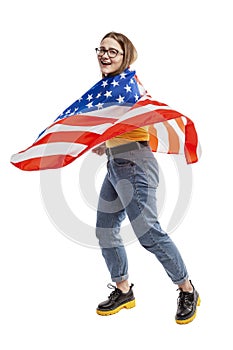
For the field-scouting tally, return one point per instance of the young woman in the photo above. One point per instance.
(129, 188)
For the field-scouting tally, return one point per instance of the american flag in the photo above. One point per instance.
(113, 106)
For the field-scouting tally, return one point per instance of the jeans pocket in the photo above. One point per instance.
(122, 162)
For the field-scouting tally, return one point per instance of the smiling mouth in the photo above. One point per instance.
(105, 63)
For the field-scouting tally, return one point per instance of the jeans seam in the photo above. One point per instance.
(165, 253)
(119, 262)
(139, 200)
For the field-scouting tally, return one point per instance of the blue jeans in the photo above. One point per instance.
(130, 188)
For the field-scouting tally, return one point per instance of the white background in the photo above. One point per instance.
(50, 286)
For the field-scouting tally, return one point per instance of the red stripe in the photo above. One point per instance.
(180, 123)
(47, 162)
(148, 101)
(83, 137)
(88, 138)
(151, 117)
(84, 120)
(92, 139)
(153, 138)
(130, 124)
(191, 142)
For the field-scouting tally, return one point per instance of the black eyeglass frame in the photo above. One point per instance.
(98, 49)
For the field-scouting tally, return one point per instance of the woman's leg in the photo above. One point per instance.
(110, 214)
(136, 180)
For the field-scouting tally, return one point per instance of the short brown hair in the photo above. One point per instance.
(130, 52)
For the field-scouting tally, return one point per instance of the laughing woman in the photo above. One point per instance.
(129, 188)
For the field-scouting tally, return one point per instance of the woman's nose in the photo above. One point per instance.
(105, 53)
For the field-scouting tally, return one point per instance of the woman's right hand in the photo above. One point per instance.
(100, 150)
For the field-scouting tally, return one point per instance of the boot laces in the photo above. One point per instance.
(185, 298)
(115, 294)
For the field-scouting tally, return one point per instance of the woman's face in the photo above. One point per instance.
(107, 64)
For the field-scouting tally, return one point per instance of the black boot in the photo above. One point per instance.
(117, 300)
(187, 305)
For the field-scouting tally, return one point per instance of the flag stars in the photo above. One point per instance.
(120, 99)
(127, 88)
(89, 97)
(100, 105)
(122, 75)
(108, 93)
(89, 105)
(115, 83)
(99, 95)
(105, 83)
(116, 90)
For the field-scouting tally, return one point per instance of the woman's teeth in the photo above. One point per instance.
(105, 63)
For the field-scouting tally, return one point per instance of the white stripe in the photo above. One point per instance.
(198, 150)
(97, 129)
(50, 149)
(114, 111)
(142, 90)
(140, 110)
(110, 112)
(184, 120)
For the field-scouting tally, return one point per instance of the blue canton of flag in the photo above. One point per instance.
(117, 90)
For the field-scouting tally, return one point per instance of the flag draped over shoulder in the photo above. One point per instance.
(113, 106)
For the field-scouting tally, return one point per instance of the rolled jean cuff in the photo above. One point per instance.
(120, 279)
(181, 281)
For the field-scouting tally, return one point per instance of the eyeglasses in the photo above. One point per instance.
(111, 52)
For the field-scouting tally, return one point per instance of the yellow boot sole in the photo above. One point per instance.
(128, 305)
(191, 318)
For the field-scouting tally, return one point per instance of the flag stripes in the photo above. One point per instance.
(72, 134)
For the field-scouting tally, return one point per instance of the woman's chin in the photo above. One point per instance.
(105, 70)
